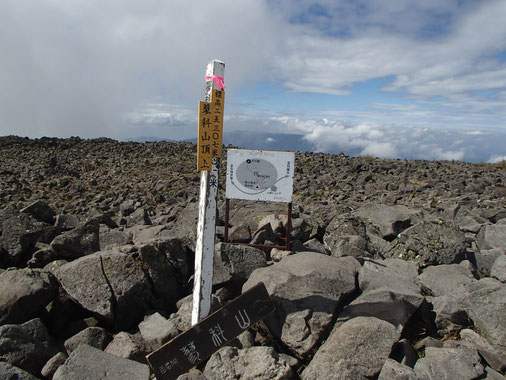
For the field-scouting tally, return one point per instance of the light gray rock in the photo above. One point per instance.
(492, 236)
(97, 337)
(446, 279)
(499, 269)
(194, 374)
(250, 363)
(182, 318)
(263, 235)
(129, 346)
(451, 313)
(316, 246)
(53, 364)
(236, 263)
(138, 217)
(346, 236)
(491, 374)
(388, 220)
(10, 372)
(113, 238)
(301, 229)
(306, 288)
(279, 254)
(27, 346)
(87, 362)
(361, 346)
(66, 222)
(143, 233)
(156, 330)
(449, 363)
(25, 293)
(394, 274)
(393, 370)
(277, 223)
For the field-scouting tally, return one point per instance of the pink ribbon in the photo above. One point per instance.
(218, 81)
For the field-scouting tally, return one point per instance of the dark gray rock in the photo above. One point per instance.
(157, 330)
(138, 217)
(113, 238)
(432, 242)
(27, 346)
(90, 363)
(449, 363)
(78, 242)
(250, 363)
(315, 245)
(277, 222)
(182, 318)
(451, 313)
(10, 372)
(307, 288)
(361, 346)
(394, 274)
(41, 211)
(388, 221)
(263, 234)
(346, 236)
(97, 337)
(25, 293)
(20, 234)
(485, 260)
(66, 222)
(236, 262)
(301, 229)
(491, 354)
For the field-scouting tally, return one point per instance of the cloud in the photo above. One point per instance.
(496, 159)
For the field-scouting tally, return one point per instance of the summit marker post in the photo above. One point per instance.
(209, 149)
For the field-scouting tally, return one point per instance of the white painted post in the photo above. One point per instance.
(206, 228)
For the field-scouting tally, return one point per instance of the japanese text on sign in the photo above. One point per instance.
(210, 131)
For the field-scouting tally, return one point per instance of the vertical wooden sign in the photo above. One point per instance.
(210, 131)
(209, 165)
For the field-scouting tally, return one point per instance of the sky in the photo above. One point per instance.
(383, 78)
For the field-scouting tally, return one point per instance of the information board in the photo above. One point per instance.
(260, 175)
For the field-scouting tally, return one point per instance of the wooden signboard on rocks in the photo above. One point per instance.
(198, 343)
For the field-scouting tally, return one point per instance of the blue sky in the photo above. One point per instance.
(397, 78)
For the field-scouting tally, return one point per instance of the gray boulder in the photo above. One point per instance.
(27, 346)
(387, 221)
(492, 355)
(92, 336)
(129, 346)
(451, 313)
(492, 236)
(112, 285)
(113, 238)
(250, 363)
(87, 362)
(485, 260)
(53, 364)
(449, 363)
(307, 288)
(138, 217)
(240, 234)
(236, 263)
(485, 304)
(10, 372)
(447, 279)
(359, 347)
(25, 293)
(432, 242)
(395, 274)
(301, 229)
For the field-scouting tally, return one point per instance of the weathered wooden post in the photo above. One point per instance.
(209, 147)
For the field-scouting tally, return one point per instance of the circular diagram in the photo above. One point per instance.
(257, 174)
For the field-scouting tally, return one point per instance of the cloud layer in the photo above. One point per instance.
(128, 68)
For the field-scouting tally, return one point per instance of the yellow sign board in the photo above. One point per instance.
(210, 132)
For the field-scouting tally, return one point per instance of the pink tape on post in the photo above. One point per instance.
(218, 81)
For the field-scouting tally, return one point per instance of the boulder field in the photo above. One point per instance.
(397, 268)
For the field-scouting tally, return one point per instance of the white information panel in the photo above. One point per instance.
(260, 175)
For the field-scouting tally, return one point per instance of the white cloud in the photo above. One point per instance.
(496, 159)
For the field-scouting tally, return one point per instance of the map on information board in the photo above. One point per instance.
(261, 175)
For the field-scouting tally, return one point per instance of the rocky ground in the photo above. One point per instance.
(397, 268)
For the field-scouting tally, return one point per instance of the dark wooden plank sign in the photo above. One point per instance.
(195, 345)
